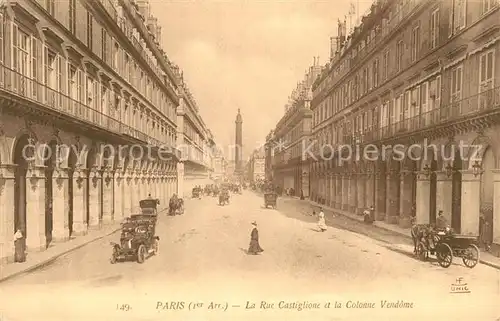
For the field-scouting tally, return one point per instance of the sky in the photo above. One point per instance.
(247, 55)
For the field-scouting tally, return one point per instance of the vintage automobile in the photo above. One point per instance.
(270, 199)
(138, 239)
(446, 244)
(176, 206)
(196, 193)
(224, 197)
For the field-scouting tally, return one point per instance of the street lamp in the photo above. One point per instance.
(449, 170)
(427, 170)
(476, 169)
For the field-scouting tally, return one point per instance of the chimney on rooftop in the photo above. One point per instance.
(334, 42)
(144, 8)
(158, 33)
(152, 24)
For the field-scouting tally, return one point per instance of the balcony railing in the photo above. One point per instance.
(31, 90)
(463, 109)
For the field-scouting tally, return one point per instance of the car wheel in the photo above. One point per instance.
(141, 254)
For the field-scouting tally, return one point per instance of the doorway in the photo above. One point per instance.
(433, 191)
(456, 197)
(21, 154)
(486, 199)
(49, 155)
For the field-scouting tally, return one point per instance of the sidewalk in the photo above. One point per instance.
(36, 260)
(485, 257)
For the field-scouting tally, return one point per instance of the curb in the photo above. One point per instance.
(55, 257)
(58, 255)
(488, 263)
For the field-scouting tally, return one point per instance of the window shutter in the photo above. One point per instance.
(15, 39)
(3, 45)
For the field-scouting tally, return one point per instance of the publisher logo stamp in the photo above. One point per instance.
(460, 286)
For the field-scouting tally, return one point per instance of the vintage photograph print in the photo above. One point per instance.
(209, 160)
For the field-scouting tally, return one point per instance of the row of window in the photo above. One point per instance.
(192, 134)
(380, 69)
(418, 102)
(44, 66)
(109, 50)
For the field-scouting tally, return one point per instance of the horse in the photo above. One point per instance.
(420, 232)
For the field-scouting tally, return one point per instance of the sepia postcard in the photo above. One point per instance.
(212, 160)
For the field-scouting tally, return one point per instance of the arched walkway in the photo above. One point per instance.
(456, 198)
(29, 192)
(72, 162)
(20, 202)
(488, 164)
(93, 189)
(49, 157)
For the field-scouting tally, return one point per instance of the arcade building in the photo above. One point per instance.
(414, 72)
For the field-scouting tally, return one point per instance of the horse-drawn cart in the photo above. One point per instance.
(224, 197)
(445, 245)
(138, 239)
(196, 193)
(270, 199)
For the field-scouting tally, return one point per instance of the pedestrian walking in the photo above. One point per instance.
(19, 246)
(254, 247)
(321, 221)
(486, 234)
(367, 215)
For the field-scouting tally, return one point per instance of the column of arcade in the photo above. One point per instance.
(77, 194)
(354, 190)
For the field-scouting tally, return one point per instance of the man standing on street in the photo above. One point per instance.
(254, 247)
(441, 221)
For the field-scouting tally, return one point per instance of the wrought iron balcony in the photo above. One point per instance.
(456, 111)
(20, 87)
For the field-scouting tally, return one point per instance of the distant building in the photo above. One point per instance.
(256, 166)
(291, 135)
(219, 165)
(414, 74)
(269, 154)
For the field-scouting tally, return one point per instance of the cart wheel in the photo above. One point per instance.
(422, 252)
(141, 254)
(444, 255)
(156, 247)
(471, 256)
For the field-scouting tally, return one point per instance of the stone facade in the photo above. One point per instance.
(256, 166)
(195, 142)
(291, 134)
(421, 74)
(87, 128)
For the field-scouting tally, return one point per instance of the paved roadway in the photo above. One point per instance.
(202, 257)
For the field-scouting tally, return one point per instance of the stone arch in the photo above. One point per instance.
(92, 158)
(411, 159)
(451, 155)
(4, 148)
(22, 137)
(125, 162)
(428, 157)
(107, 155)
(477, 150)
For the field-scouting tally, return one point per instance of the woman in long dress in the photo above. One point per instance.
(254, 247)
(321, 221)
